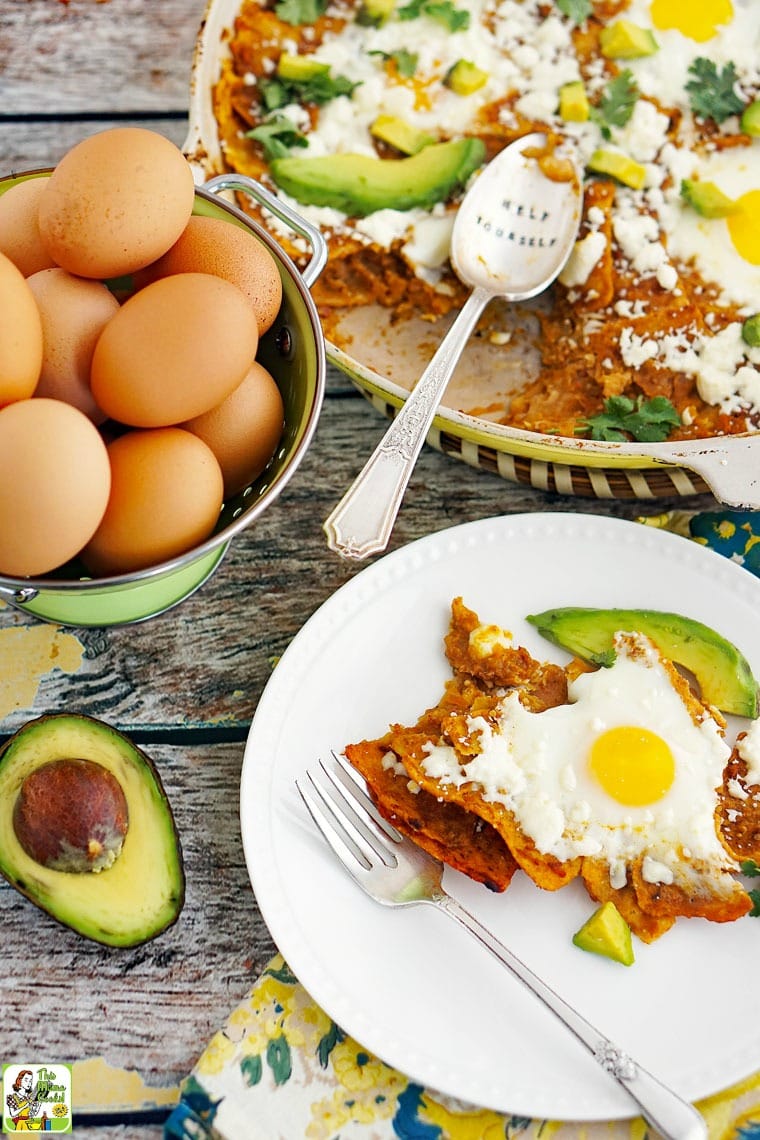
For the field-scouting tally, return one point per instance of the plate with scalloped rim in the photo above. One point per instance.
(411, 986)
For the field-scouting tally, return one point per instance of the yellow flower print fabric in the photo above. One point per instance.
(281, 1069)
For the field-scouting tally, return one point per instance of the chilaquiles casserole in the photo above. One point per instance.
(371, 116)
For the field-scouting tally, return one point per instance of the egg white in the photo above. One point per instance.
(536, 764)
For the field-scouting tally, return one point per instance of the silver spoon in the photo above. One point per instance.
(512, 235)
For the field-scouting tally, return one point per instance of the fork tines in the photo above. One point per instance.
(337, 801)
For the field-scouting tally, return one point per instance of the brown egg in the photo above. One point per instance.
(74, 311)
(20, 238)
(175, 349)
(166, 494)
(54, 484)
(244, 430)
(115, 202)
(20, 335)
(212, 245)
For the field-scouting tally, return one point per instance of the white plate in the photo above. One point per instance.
(410, 985)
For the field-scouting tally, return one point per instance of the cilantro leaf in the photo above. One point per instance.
(444, 11)
(300, 11)
(755, 896)
(576, 10)
(647, 421)
(712, 93)
(406, 61)
(277, 135)
(617, 102)
(318, 89)
(750, 868)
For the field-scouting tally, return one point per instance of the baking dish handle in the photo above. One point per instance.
(281, 210)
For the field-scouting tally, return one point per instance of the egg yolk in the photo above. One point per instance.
(633, 765)
(699, 21)
(744, 227)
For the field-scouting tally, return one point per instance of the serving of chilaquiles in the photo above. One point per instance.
(619, 777)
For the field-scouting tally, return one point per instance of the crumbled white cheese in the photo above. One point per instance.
(430, 243)
(484, 639)
(636, 350)
(644, 133)
(391, 763)
(584, 256)
(654, 871)
(736, 790)
(749, 750)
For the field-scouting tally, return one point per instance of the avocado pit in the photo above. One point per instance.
(71, 815)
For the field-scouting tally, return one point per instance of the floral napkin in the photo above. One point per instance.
(281, 1069)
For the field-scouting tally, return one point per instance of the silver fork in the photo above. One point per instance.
(395, 872)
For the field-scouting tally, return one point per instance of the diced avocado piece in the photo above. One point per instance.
(300, 68)
(750, 120)
(624, 40)
(87, 832)
(375, 13)
(618, 166)
(724, 674)
(573, 103)
(707, 199)
(359, 184)
(400, 134)
(465, 77)
(607, 933)
(751, 331)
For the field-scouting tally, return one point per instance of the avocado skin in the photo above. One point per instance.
(151, 863)
(359, 184)
(724, 674)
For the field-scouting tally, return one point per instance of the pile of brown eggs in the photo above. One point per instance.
(131, 404)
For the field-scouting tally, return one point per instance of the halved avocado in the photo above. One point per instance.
(87, 832)
(359, 184)
(723, 673)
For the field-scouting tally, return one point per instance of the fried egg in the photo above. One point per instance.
(725, 31)
(726, 251)
(699, 22)
(626, 770)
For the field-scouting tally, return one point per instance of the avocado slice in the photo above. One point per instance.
(573, 103)
(375, 13)
(707, 199)
(465, 77)
(618, 166)
(87, 832)
(359, 184)
(751, 331)
(624, 40)
(300, 68)
(400, 134)
(750, 120)
(723, 673)
(606, 933)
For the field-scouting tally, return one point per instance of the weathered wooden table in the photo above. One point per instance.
(184, 685)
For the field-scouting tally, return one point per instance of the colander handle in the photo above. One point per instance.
(17, 596)
(280, 210)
